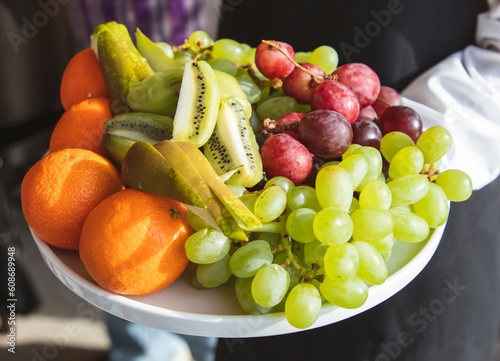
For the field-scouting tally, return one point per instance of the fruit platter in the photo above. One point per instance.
(219, 189)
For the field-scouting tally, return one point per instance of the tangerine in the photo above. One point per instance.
(82, 78)
(81, 126)
(133, 242)
(60, 190)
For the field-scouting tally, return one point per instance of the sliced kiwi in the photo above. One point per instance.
(239, 211)
(151, 128)
(157, 94)
(198, 104)
(233, 145)
(182, 163)
(146, 169)
(230, 88)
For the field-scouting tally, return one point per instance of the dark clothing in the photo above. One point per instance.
(451, 311)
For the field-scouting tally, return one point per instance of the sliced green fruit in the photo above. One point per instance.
(120, 62)
(151, 128)
(198, 104)
(230, 88)
(146, 169)
(153, 53)
(239, 211)
(157, 94)
(180, 162)
(116, 148)
(233, 145)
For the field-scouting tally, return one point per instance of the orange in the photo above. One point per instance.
(82, 79)
(133, 242)
(81, 126)
(61, 189)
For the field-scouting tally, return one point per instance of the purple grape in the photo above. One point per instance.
(326, 133)
(366, 133)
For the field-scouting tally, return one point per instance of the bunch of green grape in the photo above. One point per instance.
(328, 243)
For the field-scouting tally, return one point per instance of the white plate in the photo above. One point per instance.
(183, 309)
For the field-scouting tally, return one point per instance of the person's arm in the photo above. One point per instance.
(463, 94)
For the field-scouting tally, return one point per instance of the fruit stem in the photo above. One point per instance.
(274, 45)
(285, 243)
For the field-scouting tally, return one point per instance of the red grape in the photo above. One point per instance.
(387, 97)
(272, 63)
(362, 80)
(401, 119)
(326, 133)
(298, 83)
(366, 133)
(288, 119)
(285, 156)
(334, 95)
(367, 113)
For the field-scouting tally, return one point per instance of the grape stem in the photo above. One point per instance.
(317, 79)
(287, 247)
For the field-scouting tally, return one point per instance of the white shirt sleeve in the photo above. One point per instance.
(462, 93)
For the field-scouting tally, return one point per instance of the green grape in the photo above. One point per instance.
(393, 142)
(271, 238)
(249, 200)
(372, 266)
(246, 47)
(433, 207)
(357, 166)
(374, 159)
(248, 259)
(293, 272)
(214, 274)
(167, 48)
(375, 194)
(434, 143)
(225, 65)
(181, 58)
(243, 288)
(341, 262)
(275, 107)
(371, 224)
(207, 246)
(351, 294)
(354, 205)
(407, 161)
(270, 204)
(385, 244)
(200, 40)
(409, 227)
(299, 225)
(314, 252)
(282, 182)
(251, 90)
(386, 255)
(456, 184)
(229, 49)
(250, 56)
(326, 57)
(302, 56)
(237, 189)
(270, 285)
(334, 187)
(303, 305)
(408, 189)
(197, 222)
(333, 226)
(331, 162)
(303, 196)
(350, 150)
